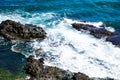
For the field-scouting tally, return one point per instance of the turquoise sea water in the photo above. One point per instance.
(107, 11)
(63, 42)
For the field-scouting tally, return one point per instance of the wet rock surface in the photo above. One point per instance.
(38, 71)
(97, 32)
(12, 30)
(113, 37)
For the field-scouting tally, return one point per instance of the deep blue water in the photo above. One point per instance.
(107, 11)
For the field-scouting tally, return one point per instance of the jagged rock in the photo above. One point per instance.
(34, 67)
(104, 78)
(12, 30)
(97, 32)
(80, 76)
(37, 71)
(113, 37)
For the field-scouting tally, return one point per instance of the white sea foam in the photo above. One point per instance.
(77, 51)
(15, 17)
(39, 19)
(67, 48)
(110, 29)
(97, 24)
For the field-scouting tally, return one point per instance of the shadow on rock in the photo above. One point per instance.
(12, 30)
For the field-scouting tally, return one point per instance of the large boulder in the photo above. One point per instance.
(12, 30)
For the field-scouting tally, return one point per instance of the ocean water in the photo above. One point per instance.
(64, 46)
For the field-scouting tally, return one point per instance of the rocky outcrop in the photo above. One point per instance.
(97, 32)
(37, 71)
(12, 30)
(113, 37)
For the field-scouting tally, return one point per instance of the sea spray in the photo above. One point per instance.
(67, 48)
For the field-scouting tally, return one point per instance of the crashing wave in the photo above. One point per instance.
(77, 51)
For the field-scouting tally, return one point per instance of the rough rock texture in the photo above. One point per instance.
(113, 37)
(37, 71)
(104, 78)
(12, 30)
(97, 32)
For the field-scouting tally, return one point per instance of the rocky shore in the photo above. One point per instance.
(113, 37)
(36, 69)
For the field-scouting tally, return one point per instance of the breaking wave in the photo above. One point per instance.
(68, 48)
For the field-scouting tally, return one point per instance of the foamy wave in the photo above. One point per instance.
(97, 24)
(70, 49)
(110, 29)
(15, 17)
(40, 19)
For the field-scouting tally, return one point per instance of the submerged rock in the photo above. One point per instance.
(113, 37)
(12, 30)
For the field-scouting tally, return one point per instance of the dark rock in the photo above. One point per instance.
(97, 32)
(38, 71)
(12, 30)
(104, 78)
(79, 26)
(113, 37)
(34, 67)
(80, 76)
(117, 32)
